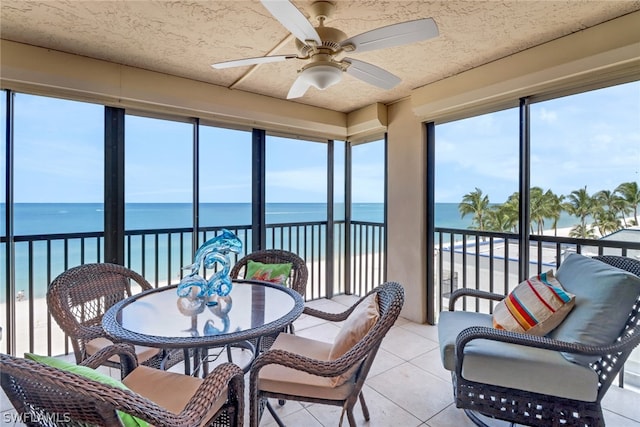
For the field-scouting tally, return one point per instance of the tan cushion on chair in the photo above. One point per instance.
(170, 390)
(143, 353)
(357, 325)
(280, 379)
(359, 322)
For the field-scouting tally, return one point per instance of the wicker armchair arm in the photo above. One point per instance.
(484, 332)
(126, 352)
(332, 317)
(226, 375)
(476, 293)
(335, 317)
(302, 363)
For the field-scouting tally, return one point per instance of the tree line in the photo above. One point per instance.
(608, 210)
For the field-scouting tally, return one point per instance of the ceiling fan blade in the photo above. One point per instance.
(393, 35)
(371, 74)
(252, 61)
(298, 88)
(292, 19)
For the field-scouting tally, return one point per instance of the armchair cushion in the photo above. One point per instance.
(604, 298)
(536, 306)
(357, 325)
(170, 390)
(127, 420)
(450, 324)
(143, 353)
(274, 273)
(281, 379)
(532, 369)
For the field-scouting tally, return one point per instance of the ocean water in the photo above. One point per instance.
(50, 218)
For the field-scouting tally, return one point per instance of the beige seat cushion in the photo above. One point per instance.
(143, 353)
(280, 379)
(169, 390)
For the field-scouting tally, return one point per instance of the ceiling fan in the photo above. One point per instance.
(324, 47)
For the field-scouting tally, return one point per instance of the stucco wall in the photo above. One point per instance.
(406, 208)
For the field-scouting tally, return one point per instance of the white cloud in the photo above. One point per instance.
(547, 115)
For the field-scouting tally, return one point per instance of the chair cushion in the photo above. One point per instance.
(169, 390)
(142, 353)
(274, 273)
(450, 324)
(357, 325)
(536, 306)
(528, 368)
(604, 298)
(510, 365)
(280, 379)
(92, 374)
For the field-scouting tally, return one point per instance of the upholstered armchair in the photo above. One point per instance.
(558, 377)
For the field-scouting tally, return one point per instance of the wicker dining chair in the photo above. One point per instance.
(78, 298)
(299, 272)
(303, 369)
(550, 404)
(297, 279)
(44, 395)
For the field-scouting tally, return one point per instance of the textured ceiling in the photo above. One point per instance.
(184, 38)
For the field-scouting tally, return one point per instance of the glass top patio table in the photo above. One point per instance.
(159, 318)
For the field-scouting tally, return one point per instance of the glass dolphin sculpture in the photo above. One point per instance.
(215, 250)
(223, 243)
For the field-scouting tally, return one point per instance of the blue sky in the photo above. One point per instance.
(590, 139)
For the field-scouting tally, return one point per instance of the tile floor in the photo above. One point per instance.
(406, 386)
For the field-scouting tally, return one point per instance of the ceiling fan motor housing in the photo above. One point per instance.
(331, 39)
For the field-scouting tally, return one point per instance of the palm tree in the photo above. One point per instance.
(500, 218)
(537, 208)
(582, 231)
(475, 203)
(580, 204)
(611, 202)
(511, 209)
(631, 194)
(606, 221)
(606, 207)
(554, 209)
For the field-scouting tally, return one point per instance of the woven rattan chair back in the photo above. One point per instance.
(78, 298)
(361, 355)
(299, 272)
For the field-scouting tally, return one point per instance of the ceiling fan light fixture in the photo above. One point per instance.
(321, 76)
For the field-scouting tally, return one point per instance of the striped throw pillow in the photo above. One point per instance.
(536, 306)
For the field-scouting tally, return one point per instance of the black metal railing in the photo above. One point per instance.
(489, 260)
(159, 255)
